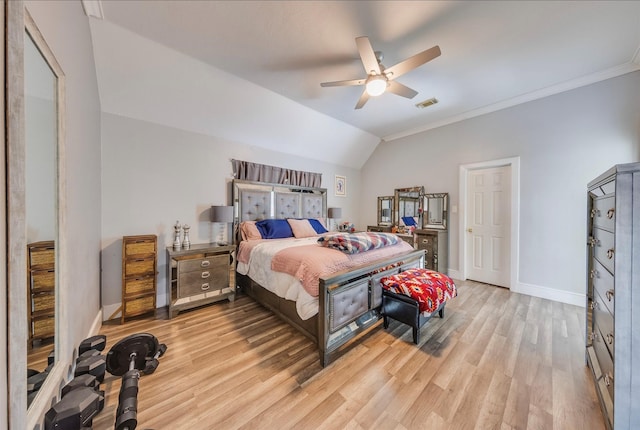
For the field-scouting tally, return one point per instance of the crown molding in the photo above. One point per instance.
(534, 95)
(93, 8)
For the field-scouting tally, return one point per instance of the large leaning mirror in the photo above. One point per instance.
(35, 196)
(408, 206)
(436, 210)
(385, 210)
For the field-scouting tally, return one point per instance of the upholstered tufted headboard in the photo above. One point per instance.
(254, 201)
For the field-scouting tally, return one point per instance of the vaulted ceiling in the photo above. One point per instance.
(494, 53)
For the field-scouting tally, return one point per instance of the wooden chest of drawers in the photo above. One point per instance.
(613, 293)
(41, 280)
(199, 275)
(138, 275)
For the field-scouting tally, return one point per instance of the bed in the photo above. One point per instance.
(335, 306)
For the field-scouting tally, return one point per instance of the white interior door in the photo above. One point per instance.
(489, 225)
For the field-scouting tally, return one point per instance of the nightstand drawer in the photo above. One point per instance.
(201, 282)
(209, 263)
(604, 213)
(138, 267)
(145, 284)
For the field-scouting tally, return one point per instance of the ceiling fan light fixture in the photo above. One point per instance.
(376, 85)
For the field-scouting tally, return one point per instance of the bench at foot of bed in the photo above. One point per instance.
(414, 296)
(406, 310)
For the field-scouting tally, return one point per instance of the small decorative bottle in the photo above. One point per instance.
(186, 243)
(176, 236)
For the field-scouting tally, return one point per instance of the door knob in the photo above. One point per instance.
(470, 230)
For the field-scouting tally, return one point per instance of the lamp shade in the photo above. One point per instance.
(334, 213)
(222, 214)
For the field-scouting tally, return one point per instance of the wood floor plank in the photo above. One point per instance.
(498, 360)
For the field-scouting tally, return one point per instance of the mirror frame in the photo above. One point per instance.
(420, 191)
(391, 210)
(18, 23)
(445, 210)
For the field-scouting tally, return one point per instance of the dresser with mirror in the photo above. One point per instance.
(433, 237)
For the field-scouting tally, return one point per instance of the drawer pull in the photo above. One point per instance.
(593, 305)
(593, 213)
(608, 379)
(610, 338)
(205, 287)
(205, 263)
(593, 336)
(610, 213)
(592, 242)
(609, 294)
(205, 275)
(593, 273)
(610, 253)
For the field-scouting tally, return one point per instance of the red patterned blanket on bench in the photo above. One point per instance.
(428, 287)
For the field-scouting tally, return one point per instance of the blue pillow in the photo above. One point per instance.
(409, 221)
(274, 228)
(317, 226)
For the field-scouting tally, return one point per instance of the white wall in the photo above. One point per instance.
(154, 175)
(563, 142)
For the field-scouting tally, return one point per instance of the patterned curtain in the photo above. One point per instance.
(248, 171)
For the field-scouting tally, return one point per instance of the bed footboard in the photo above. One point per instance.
(350, 302)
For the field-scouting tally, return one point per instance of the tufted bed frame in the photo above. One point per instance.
(349, 301)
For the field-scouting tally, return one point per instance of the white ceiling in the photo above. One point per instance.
(494, 53)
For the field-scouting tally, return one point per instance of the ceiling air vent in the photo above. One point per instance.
(427, 103)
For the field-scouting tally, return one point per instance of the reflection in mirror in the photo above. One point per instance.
(436, 209)
(41, 143)
(408, 206)
(385, 210)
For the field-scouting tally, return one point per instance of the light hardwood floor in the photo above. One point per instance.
(498, 360)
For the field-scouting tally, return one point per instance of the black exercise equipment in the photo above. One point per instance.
(127, 358)
(80, 381)
(51, 357)
(97, 342)
(94, 365)
(87, 354)
(75, 410)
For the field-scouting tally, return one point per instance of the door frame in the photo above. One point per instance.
(514, 255)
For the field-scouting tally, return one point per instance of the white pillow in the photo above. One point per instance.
(301, 228)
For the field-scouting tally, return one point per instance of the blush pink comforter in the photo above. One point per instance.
(309, 263)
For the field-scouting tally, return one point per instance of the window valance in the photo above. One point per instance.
(247, 171)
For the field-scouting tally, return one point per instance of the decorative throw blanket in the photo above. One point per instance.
(429, 288)
(354, 243)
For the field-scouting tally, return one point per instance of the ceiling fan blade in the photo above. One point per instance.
(363, 99)
(342, 83)
(401, 90)
(412, 62)
(368, 56)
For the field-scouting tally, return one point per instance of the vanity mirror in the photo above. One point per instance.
(408, 206)
(436, 210)
(35, 216)
(385, 210)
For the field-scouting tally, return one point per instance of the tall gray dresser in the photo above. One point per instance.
(613, 293)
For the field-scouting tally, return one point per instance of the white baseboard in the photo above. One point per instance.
(568, 297)
(109, 310)
(455, 274)
(97, 324)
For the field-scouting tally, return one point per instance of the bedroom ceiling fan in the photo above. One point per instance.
(381, 79)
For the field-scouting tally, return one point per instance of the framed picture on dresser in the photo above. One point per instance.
(341, 186)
